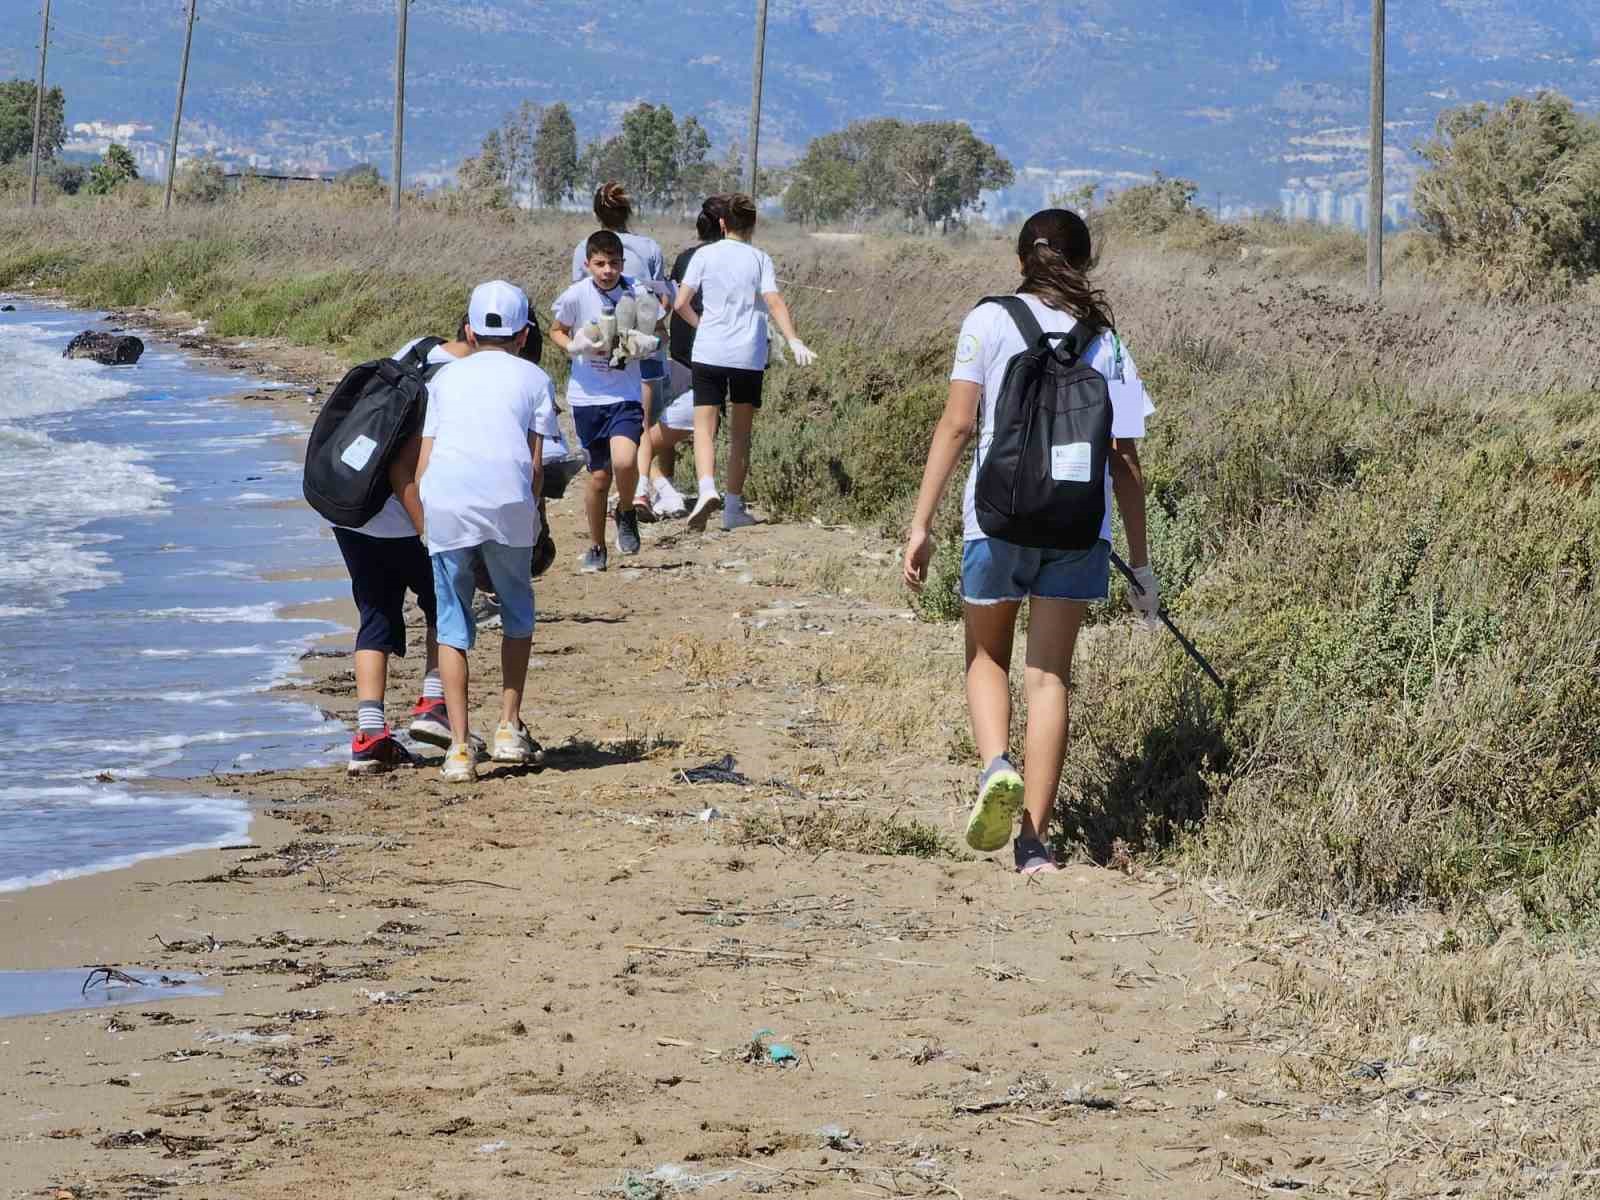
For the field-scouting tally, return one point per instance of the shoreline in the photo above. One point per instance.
(302, 374)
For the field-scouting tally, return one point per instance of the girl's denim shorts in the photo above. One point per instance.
(996, 572)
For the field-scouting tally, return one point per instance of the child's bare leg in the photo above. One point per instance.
(646, 448)
(594, 505)
(991, 629)
(665, 463)
(707, 418)
(744, 419)
(625, 466)
(453, 671)
(372, 676)
(514, 654)
(1052, 635)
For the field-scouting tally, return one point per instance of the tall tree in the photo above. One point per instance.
(555, 156)
(111, 172)
(16, 120)
(695, 168)
(483, 176)
(933, 172)
(650, 154)
(518, 134)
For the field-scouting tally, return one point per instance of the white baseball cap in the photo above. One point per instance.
(498, 309)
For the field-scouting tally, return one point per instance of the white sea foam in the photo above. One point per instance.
(242, 614)
(35, 379)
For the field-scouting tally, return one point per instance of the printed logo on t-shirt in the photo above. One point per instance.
(967, 348)
(1070, 463)
(358, 453)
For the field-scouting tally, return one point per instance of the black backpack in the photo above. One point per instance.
(371, 414)
(1042, 482)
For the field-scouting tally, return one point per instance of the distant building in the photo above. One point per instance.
(1327, 204)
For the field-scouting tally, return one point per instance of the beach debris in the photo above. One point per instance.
(759, 1050)
(128, 1138)
(108, 349)
(108, 977)
(837, 1137)
(388, 997)
(117, 1025)
(667, 1180)
(493, 1147)
(719, 770)
(1374, 1070)
(708, 815)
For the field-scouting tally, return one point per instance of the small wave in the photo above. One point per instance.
(243, 614)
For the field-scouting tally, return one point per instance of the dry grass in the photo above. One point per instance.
(846, 830)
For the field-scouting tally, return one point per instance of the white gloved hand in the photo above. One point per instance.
(804, 355)
(1147, 603)
(583, 342)
(642, 345)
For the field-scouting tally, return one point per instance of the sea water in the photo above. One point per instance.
(142, 520)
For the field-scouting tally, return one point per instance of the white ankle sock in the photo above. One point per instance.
(708, 486)
(432, 686)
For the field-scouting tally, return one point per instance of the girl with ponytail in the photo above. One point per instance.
(1055, 257)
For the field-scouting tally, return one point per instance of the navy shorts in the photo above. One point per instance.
(714, 387)
(382, 571)
(598, 423)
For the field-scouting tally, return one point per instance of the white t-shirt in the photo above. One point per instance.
(732, 277)
(990, 340)
(479, 483)
(594, 380)
(391, 520)
(641, 259)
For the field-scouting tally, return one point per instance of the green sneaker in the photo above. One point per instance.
(999, 801)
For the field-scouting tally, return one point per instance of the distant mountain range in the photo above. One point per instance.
(1244, 96)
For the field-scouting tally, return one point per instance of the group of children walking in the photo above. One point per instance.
(467, 510)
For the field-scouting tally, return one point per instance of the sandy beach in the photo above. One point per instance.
(725, 941)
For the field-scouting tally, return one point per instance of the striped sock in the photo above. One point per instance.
(432, 686)
(369, 716)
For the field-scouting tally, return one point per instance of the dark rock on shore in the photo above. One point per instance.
(112, 349)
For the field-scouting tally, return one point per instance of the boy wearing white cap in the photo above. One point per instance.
(479, 473)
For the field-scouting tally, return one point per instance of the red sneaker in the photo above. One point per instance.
(373, 754)
(430, 723)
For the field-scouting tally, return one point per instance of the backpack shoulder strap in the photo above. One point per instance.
(417, 356)
(1083, 336)
(1021, 315)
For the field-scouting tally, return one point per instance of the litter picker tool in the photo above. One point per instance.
(1161, 615)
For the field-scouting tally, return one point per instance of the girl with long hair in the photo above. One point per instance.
(1055, 257)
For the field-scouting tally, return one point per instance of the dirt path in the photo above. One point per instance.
(575, 981)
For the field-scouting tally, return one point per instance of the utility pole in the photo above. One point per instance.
(177, 115)
(399, 109)
(755, 97)
(38, 110)
(1375, 164)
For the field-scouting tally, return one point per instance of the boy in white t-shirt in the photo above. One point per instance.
(738, 288)
(604, 395)
(479, 476)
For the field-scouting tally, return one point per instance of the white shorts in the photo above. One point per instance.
(679, 415)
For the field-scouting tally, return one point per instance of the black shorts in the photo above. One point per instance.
(382, 571)
(716, 386)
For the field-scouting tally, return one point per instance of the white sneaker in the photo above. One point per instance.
(460, 765)
(736, 516)
(669, 502)
(513, 744)
(703, 508)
